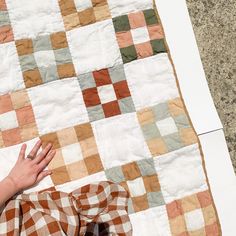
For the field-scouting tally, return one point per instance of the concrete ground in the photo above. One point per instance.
(214, 24)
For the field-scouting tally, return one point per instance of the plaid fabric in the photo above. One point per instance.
(95, 209)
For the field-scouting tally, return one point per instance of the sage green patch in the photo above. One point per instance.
(130, 206)
(150, 17)
(48, 73)
(62, 56)
(128, 54)
(117, 73)
(173, 142)
(146, 167)
(150, 131)
(155, 199)
(161, 111)
(121, 23)
(27, 62)
(115, 174)
(158, 46)
(95, 112)
(126, 105)
(4, 18)
(181, 121)
(86, 81)
(42, 43)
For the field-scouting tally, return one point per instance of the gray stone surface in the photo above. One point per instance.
(214, 24)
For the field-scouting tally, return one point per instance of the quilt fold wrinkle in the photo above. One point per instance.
(94, 209)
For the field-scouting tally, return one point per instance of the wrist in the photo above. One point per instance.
(12, 184)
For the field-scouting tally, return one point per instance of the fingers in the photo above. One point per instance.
(22, 152)
(43, 153)
(35, 149)
(44, 162)
(43, 174)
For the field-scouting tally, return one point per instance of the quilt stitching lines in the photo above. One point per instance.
(44, 59)
(77, 13)
(139, 35)
(193, 215)
(166, 127)
(77, 154)
(140, 179)
(17, 120)
(6, 33)
(106, 93)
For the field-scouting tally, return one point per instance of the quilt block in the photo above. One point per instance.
(106, 93)
(17, 120)
(95, 78)
(139, 35)
(45, 58)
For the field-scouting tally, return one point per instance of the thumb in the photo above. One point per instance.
(43, 174)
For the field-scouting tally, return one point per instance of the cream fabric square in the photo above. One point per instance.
(94, 47)
(45, 58)
(184, 166)
(136, 187)
(72, 153)
(106, 93)
(140, 35)
(151, 80)
(83, 4)
(194, 220)
(120, 140)
(32, 18)
(122, 7)
(167, 126)
(151, 222)
(57, 105)
(10, 71)
(8, 120)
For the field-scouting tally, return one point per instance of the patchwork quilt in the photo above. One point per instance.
(95, 78)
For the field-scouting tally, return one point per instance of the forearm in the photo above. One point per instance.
(7, 190)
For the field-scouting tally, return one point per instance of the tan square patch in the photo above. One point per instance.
(60, 175)
(145, 116)
(67, 136)
(188, 136)
(77, 170)
(93, 164)
(151, 183)
(131, 171)
(88, 147)
(52, 138)
(178, 226)
(28, 132)
(101, 12)
(24, 46)
(20, 99)
(57, 160)
(157, 146)
(59, 40)
(65, 71)
(71, 21)
(32, 78)
(176, 107)
(87, 16)
(140, 203)
(190, 203)
(209, 215)
(83, 131)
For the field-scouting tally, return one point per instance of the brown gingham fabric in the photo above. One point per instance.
(95, 209)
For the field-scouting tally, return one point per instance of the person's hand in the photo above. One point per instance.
(29, 171)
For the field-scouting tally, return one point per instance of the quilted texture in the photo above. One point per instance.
(95, 78)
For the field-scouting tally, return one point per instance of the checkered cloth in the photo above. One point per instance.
(95, 209)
